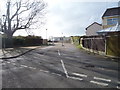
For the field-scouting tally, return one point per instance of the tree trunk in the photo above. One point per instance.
(8, 41)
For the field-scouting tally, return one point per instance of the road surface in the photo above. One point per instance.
(59, 67)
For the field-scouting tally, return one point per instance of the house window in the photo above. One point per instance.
(112, 21)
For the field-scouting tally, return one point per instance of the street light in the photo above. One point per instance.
(3, 29)
(46, 33)
(62, 40)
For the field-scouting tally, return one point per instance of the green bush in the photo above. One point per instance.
(27, 41)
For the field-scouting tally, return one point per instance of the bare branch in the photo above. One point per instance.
(19, 6)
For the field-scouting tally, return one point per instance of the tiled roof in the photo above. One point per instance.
(112, 12)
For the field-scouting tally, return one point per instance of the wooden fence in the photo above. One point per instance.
(94, 42)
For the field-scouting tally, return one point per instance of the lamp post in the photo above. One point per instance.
(46, 33)
(62, 40)
(3, 29)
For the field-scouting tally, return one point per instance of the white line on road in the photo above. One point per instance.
(99, 83)
(118, 82)
(13, 63)
(1, 60)
(59, 52)
(66, 73)
(81, 75)
(23, 66)
(56, 74)
(44, 71)
(8, 62)
(75, 78)
(118, 87)
(69, 57)
(103, 79)
(32, 67)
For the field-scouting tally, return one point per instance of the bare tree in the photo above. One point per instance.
(21, 15)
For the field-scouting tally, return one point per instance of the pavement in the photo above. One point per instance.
(8, 53)
(60, 67)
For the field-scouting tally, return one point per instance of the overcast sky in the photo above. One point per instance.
(70, 17)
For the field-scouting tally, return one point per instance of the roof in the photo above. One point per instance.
(93, 24)
(112, 12)
(110, 29)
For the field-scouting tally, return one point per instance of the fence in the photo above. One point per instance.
(94, 42)
(109, 45)
(113, 44)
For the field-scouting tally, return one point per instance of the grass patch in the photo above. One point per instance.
(79, 46)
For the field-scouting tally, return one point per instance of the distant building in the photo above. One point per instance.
(60, 39)
(111, 17)
(92, 29)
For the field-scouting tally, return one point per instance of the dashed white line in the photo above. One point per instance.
(75, 78)
(30, 67)
(66, 73)
(118, 82)
(8, 62)
(118, 87)
(99, 83)
(81, 75)
(103, 79)
(59, 74)
(33, 68)
(56, 74)
(23, 66)
(44, 71)
(13, 63)
(59, 52)
(1, 60)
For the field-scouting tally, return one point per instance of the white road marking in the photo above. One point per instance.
(13, 63)
(44, 71)
(118, 87)
(81, 75)
(101, 68)
(56, 74)
(59, 52)
(103, 79)
(59, 74)
(32, 67)
(99, 83)
(66, 73)
(75, 78)
(23, 66)
(1, 60)
(118, 82)
(8, 62)
(69, 57)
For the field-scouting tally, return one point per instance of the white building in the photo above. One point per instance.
(92, 29)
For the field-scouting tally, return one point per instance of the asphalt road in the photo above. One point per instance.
(60, 67)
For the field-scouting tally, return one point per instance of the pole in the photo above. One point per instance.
(46, 33)
(62, 39)
(3, 28)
